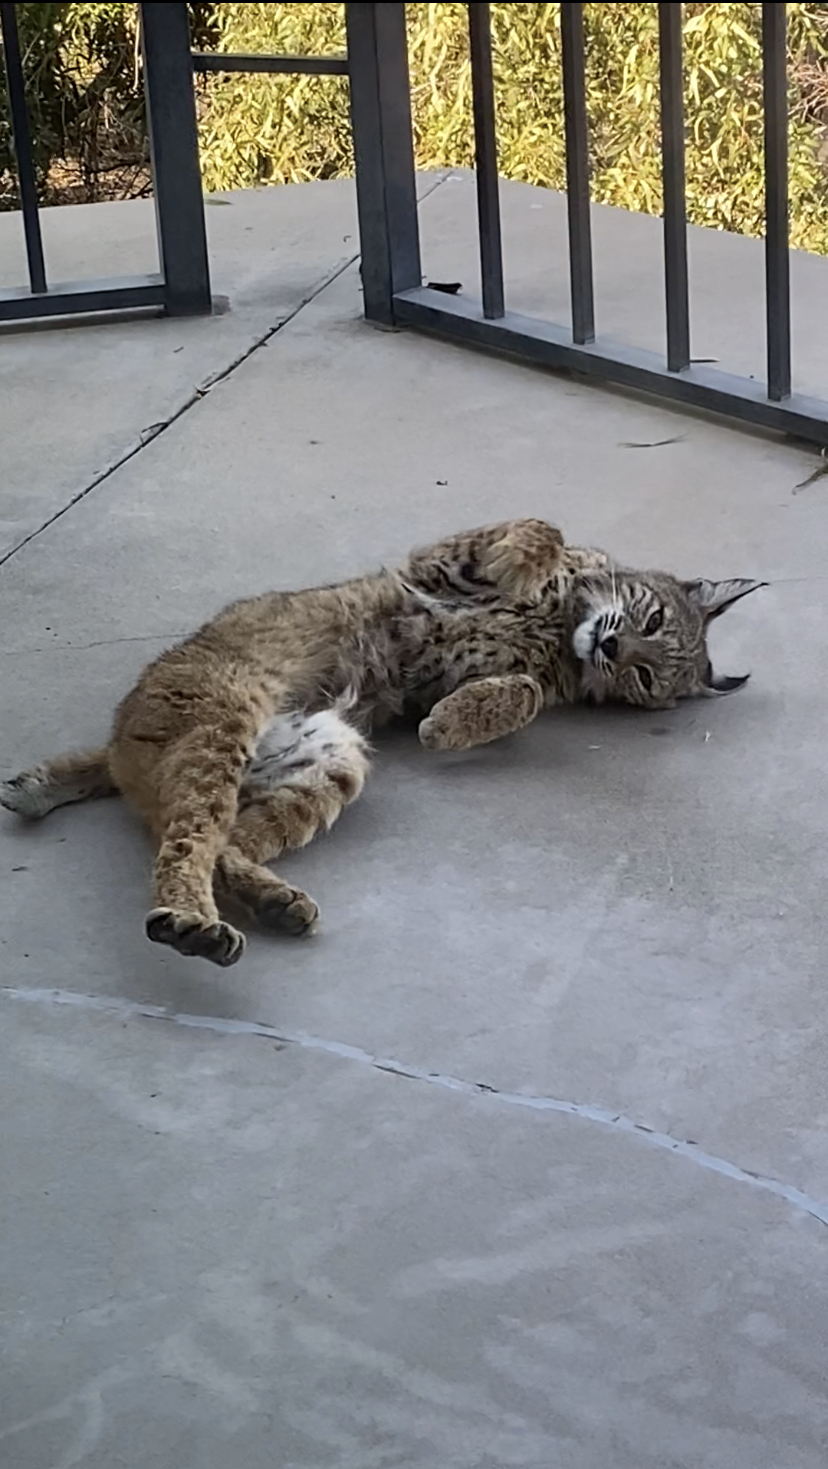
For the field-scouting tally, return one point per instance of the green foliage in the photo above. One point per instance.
(84, 91)
(275, 129)
(83, 69)
(258, 130)
(283, 129)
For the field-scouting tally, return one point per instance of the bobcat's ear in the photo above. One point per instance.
(714, 597)
(722, 683)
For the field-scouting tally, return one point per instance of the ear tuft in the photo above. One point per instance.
(714, 597)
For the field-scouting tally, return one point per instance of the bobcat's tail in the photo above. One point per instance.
(78, 777)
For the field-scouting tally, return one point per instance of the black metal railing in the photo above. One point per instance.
(394, 293)
(252, 61)
(182, 284)
(377, 67)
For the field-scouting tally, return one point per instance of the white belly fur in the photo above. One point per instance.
(298, 748)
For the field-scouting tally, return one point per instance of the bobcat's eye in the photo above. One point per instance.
(654, 622)
(645, 679)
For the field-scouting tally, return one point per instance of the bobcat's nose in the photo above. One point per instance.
(609, 646)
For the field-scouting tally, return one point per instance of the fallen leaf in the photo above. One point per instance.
(818, 473)
(651, 443)
(449, 288)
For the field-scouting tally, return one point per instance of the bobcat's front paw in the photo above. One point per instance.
(439, 732)
(190, 935)
(482, 711)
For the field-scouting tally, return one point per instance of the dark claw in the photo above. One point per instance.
(219, 943)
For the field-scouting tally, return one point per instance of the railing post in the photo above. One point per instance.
(173, 133)
(384, 155)
(21, 134)
(576, 134)
(676, 284)
(485, 152)
(777, 258)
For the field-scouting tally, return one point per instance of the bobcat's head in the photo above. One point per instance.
(641, 637)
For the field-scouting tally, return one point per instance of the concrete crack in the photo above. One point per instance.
(585, 1111)
(151, 637)
(153, 431)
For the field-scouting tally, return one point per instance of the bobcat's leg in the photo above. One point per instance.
(265, 898)
(482, 710)
(514, 558)
(311, 767)
(78, 777)
(197, 783)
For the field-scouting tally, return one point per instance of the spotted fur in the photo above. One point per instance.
(250, 736)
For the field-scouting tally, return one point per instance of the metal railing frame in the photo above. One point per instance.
(182, 285)
(390, 243)
(380, 92)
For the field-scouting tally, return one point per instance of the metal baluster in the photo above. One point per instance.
(672, 170)
(485, 152)
(23, 149)
(577, 174)
(777, 260)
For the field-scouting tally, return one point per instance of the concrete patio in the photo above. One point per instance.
(523, 1160)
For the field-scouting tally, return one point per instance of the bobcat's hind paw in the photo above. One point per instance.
(523, 560)
(189, 934)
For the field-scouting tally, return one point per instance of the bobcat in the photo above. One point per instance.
(250, 736)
